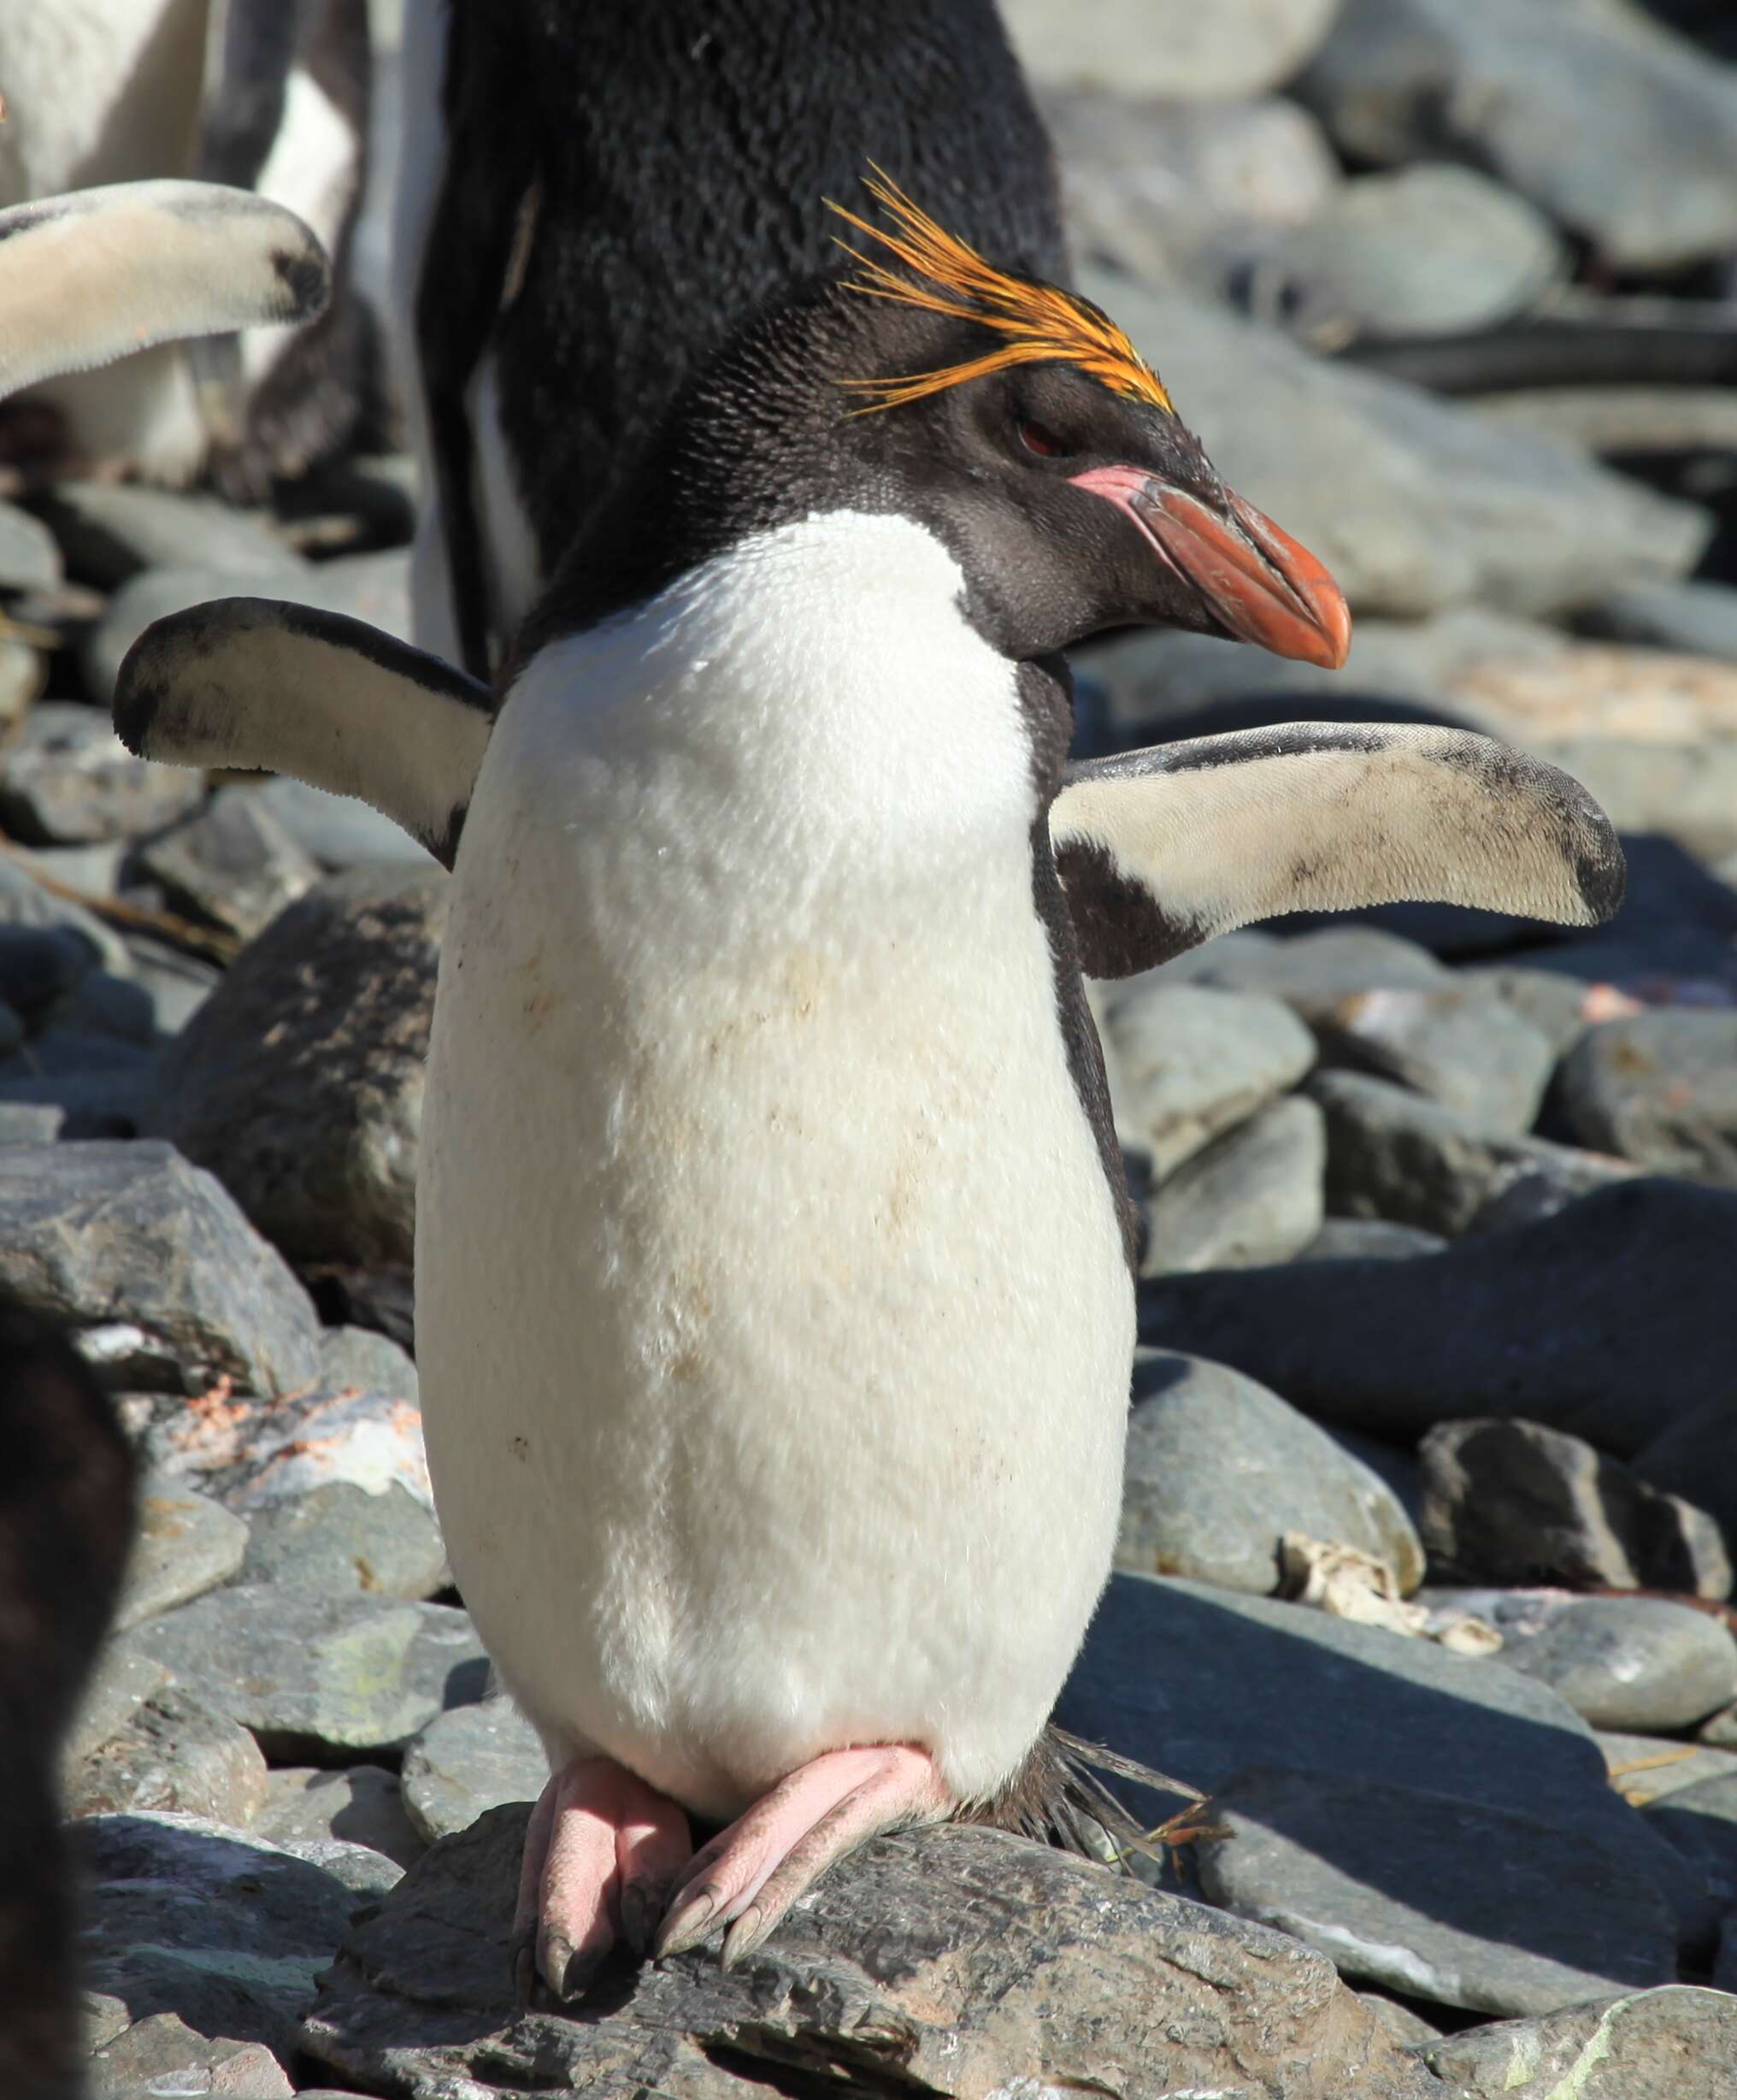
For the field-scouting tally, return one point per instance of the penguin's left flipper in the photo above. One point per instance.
(1159, 850)
(89, 277)
(263, 686)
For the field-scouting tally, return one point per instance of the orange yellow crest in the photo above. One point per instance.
(1041, 323)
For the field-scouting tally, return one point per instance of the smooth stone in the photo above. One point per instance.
(179, 984)
(23, 674)
(105, 1005)
(357, 1358)
(1394, 1154)
(1612, 420)
(1219, 1469)
(161, 2055)
(176, 1754)
(1701, 1820)
(468, 1761)
(1458, 1903)
(1434, 250)
(1698, 617)
(1307, 970)
(186, 1917)
(1167, 47)
(1621, 1662)
(24, 902)
(1414, 504)
(1695, 1456)
(1645, 1769)
(1461, 1046)
(1661, 1089)
(108, 531)
(337, 830)
(41, 967)
(362, 1804)
(1252, 1196)
(113, 1235)
(886, 1972)
(1200, 1682)
(299, 1082)
(1512, 1501)
(1369, 1239)
(232, 862)
(339, 1539)
(185, 1544)
(1567, 1322)
(1625, 141)
(321, 1679)
(1672, 2044)
(40, 1122)
(368, 1874)
(1721, 1731)
(124, 1679)
(1553, 1005)
(1187, 1063)
(69, 778)
(30, 559)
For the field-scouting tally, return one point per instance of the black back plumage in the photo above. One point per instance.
(625, 184)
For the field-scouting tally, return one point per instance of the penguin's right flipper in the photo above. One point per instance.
(91, 276)
(259, 686)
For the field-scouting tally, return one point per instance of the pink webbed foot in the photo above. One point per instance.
(748, 1875)
(601, 1851)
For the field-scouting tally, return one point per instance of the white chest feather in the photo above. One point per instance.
(773, 1313)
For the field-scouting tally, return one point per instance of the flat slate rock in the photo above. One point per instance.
(176, 1754)
(162, 2057)
(338, 1538)
(1609, 1319)
(1219, 1469)
(133, 1240)
(185, 1544)
(1660, 1088)
(185, 1917)
(900, 1972)
(469, 1761)
(1426, 1894)
(360, 1805)
(1254, 1195)
(1674, 2043)
(319, 1679)
(1645, 1769)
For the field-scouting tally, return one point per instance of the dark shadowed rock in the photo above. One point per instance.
(941, 1963)
(1609, 1319)
(1695, 1456)
(1511, 1501)
(1463, 1905)
(299, 1082)
(152, 1262)
(1701, 1820)
(1660, 1088)
(1674, 2043)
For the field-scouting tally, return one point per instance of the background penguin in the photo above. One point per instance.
(593, 198)
(264, 95)
(774, 1277)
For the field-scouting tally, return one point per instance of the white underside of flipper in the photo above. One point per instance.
(772, 1315)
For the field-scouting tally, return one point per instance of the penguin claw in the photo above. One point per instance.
(687, 1926)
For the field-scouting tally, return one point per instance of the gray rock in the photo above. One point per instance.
(1647, 1768)
(1307, 970)
(85, 1105)
(185, 1917)
(1683, 788)
(1413, 505)
(1701, 1820)
(1512, 1501)
(175, 1754)
(1462, 1045)
(1201, 1683)
(131, 1240)
(338, 1539)
(37, 1122)
(1661, 1089)
(1695, 1457)
(1625, 141)
(1721, 1731)
(1700, 618)
(886, 1974)
(1553, 1004)
(23, 674)
(62, 1051)
(1434, 250)
(184, 1546)
(179, 984)
(1564, 1322)
(365, 1872)
(338, 831)
(1612, 420)
(29, 558)
(108, 531)
(375, 587)
(24, 902)
(1369, 1239)
(320, 1680)
(1186, 1064)
(1252, 1196)
(232, 862)
(1623, 1662)
(1404, 2023)
(105, 1005)
(1672, 2044)
(362, 1805)
(255, 1454)
(1394, 1154)
(164, 2055)
(69, 777)
(124, 1679)
(468, 1761)
(357, 1357)
(1219, 1468)
(1166, 47)
(299, 1084)
(1460, 1904)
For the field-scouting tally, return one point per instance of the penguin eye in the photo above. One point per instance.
(1036, 439)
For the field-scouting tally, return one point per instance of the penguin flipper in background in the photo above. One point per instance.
(1159, 850)
(252, 684)
(93, 276)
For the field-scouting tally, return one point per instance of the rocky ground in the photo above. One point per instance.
(1431, 1497)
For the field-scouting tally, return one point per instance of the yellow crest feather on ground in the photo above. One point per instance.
(1042, 322)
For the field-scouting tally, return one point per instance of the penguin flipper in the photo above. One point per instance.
(263, 686)
(91, 276)
(1159, 850)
